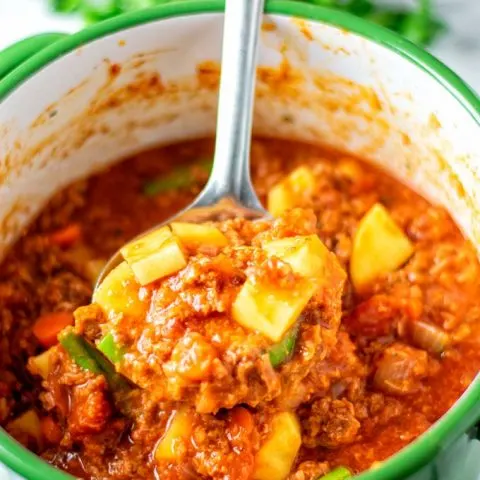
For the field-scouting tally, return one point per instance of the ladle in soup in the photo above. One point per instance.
(229, 192)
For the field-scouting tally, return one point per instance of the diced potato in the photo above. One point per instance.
(119, 294)
(155, 255)
(178, 431)
(194, 235)
(379, 247)
(275, 458)
(40, 365)
(305, 254)
(146, 245)
(279, 200)
(271, 311)
(26, 424)
(285, 195)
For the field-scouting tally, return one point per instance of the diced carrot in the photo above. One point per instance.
(51, 431)
(243, 419)
(67, 236)
(48, 326)
(240, 426)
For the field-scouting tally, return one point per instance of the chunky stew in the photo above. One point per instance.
(308, 347)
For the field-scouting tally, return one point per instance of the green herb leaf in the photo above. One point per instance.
(65, 6)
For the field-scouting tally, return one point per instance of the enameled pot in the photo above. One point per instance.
(70, 105)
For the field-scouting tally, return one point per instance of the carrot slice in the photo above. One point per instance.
(67, 236)
(48, 326)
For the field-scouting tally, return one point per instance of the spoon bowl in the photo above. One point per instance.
(229, 191)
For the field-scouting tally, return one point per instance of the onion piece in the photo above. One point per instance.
(401, 369)
(429, 337)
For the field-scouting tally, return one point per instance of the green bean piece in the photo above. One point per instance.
(180, 178)
(86, 356)
(111, 349)
(283, 350)
(75, 347)
(339, 473)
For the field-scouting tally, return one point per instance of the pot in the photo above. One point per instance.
(151, 77)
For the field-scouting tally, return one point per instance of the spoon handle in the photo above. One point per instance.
(231, 170)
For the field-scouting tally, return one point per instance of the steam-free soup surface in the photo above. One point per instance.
(171, 372)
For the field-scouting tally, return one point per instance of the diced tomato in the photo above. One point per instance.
(48, 326)
(51, 431)
(379, 315)
(67, 236)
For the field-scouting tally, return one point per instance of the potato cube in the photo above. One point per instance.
(40, 365)
(26, 424)
(279, 200)
(146, 245)
(269, 310)
(178, 431)
(154, 256)
(194, 235)
(119, 294)
(275, 458)
(379, 247)
(287, 194)
(305, 254)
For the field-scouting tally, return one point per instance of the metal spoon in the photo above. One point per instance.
(229, 192)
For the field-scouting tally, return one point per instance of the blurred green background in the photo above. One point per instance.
(417, 23)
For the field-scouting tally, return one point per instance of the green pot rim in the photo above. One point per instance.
(462, 415)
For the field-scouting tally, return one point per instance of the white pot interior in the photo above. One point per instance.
(316, 83)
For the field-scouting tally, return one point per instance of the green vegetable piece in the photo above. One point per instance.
(339, 473)
(180, 178)
(110, 349)
(283, 350)
(86, 356)
(74, 345)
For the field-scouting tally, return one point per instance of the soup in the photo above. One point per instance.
(307, 347)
